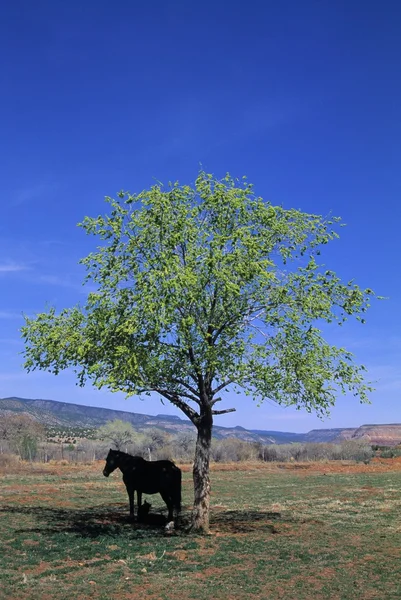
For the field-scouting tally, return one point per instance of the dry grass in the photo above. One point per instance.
(10, 463)
(290, 531)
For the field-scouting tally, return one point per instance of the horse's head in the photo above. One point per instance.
(112, 462)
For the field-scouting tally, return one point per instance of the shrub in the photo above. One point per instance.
(350, 450)
(8, 460)
(391, 453)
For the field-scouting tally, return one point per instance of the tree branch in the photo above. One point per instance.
(174, 399)
(189, 396)
(233, 320)
(222, 412)
(188, 387)
(221, 386)
(265, 335)
(200, 381)
(210, 327)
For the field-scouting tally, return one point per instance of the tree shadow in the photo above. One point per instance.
(106, 521)
(89, 523)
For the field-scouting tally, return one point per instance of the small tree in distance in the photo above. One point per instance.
(203, 290)
(117, 432)
(22, 433)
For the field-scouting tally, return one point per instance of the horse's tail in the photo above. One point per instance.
(176, 492)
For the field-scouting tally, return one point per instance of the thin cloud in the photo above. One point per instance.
(12, 267)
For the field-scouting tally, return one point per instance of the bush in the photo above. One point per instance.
(350, 450)
(391, 453)
(8, 461)
(234, 450)
(357, 450)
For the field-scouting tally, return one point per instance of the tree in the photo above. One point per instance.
(154, 439)
(22, 434)
(203, 290)
(120, 433)
(184, 445)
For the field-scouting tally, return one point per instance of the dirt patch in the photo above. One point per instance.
(31, 543)
(376, 465)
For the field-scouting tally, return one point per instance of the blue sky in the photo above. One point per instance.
(302, 97)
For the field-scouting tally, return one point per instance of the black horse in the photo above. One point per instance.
(160, 476)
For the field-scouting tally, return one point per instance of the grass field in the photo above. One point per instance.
(313, 531)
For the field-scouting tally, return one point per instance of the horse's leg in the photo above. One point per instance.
(170, 505)
(176, 493)
(131, 502)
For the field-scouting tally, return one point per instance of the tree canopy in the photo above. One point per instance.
(118, 432)
(203, 289)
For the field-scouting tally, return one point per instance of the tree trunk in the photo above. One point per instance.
(200, 514)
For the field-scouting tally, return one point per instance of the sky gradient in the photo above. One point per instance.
(304, 98)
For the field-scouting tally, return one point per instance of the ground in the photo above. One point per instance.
(278, 532)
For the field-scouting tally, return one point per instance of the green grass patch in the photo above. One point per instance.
(275, 535)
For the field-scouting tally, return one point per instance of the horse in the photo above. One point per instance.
(147, 477)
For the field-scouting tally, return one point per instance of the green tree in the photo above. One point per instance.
(120, 433)
(201, 290)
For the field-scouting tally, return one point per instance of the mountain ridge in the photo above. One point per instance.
(65, 414)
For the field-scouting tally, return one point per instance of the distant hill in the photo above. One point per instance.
(64, 414)
(330, 435)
